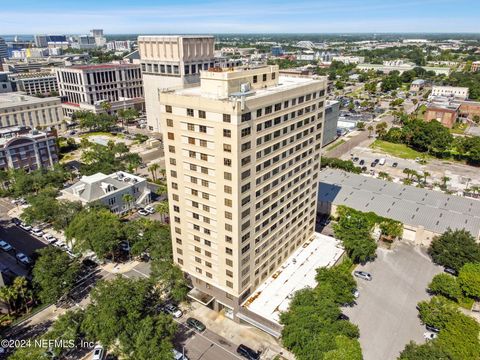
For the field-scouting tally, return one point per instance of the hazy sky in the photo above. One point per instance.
(243, 16)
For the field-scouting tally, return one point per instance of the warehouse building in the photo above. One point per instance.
(424, 213)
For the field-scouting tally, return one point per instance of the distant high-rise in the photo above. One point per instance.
(99, 38)
(3, 50)
(242, 153)
(171, 62)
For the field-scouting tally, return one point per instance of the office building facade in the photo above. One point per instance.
(242, 154)
(3, 50)
(18, 109)
(43, 83)
(86, 87)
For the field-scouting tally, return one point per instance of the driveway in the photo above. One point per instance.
(386, 309)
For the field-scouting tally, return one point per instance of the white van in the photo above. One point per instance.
(382, 161)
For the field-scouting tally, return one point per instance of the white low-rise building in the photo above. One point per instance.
(450, 91)
(120, 191)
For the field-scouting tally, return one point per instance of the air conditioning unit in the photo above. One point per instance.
(245, 87)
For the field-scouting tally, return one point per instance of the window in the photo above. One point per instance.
(246, 146)
(227, 147)
(171, 149)
(203, 143)
(226, 118)
(202, 129)
(264, 77)
(229, 273)
(255, 79)
(227, 133)
(227, 189)
(168, 109)
(173, 161)
(259, 112)
(169, 122)
(227, 162)
(278, 107)
(246, 131)
(228, 202)
(268, 110)
(227, 176)
(273, 76)
(191, 127)
(189, 112)
(201, 114)
(247, 116)
(191, 140)
(204, 157)
(228, 215)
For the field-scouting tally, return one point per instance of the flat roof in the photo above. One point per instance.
(284, 83)
(297, 272)
(433, 210)
(12, 99)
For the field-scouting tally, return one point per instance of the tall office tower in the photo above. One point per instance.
(41, 41)
(3, 51)
(242, 153)
(171, 62)
(100, 40)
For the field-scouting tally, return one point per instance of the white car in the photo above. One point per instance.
(24, 259)
(356, 293)
(149, 209)
(143, 212)
(98, 353)
(37, 232)
(25, 226)
(173, 310)
(5, 246)
(430, 335)
(50, 238)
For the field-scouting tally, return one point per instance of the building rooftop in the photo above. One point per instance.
(12, 99)
(284, 83)
(96, 186)
(433, 210)
(297, 272)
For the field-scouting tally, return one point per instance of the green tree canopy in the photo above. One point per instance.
(469, 279)
(446, 285)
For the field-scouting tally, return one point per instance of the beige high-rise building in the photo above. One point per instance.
(171, 62)
(242, 152)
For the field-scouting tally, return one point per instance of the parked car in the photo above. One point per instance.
(196, 324)
(24, 259)
(429, 335)
(25, 227)
(49, 238)
(5, 246)
(364, 168)
(450, 271)
(432, 328)
(395, 164)
(376, 161)
(373, 164)
(356, 293)
(37, 232)
(173, 310)
(177, 355)
(343, 317)
(16, 221)
(143, 212)
(149, 209)
(362, 162)
(98, 353)
(355, 159)
(247, 352)
(363, 275)
(382, 161)
(325, 221)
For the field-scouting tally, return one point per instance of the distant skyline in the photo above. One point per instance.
(193, 16)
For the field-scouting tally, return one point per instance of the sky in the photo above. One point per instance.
(243, 16)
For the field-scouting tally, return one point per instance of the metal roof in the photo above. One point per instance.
(433, 210)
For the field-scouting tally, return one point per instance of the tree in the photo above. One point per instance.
(370, 130)
(54, 274)
(454, 248)
(437, 312)
(153, 170)
(106, 106)
(381, 129)
(8, 296)
(469, 279)
(67, 328)
(361, 125)
(341, 281)
(445, 285)
(162, 208)
(385, 176)
(95, 229)
(128, 200)
(153, 338)
(346, 349)
(428, 351)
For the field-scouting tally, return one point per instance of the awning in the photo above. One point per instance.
(200, 296)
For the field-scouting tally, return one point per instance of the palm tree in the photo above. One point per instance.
(20, 287)
(128, 199)
(370, 129)
(162, 208)
(425, 175)
(445, 180)
(106, 106)
(407, 172)
(7, 295)
(153, 169)
(163, 172)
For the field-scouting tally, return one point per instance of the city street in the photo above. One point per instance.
(386, 309)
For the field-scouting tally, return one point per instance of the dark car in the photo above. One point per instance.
(395, 164)
(432, 328)
(355, 159)
(450, 271)
(16, 221)
(247, 352)
(343, 317)
(196, 324)
(373, 164)
(362, 162)
(376, 161)
(364, 168)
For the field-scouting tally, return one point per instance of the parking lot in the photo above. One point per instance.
(386, 309)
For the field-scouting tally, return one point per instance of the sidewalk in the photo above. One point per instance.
(238, 333)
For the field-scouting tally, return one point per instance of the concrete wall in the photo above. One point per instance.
(332, 112)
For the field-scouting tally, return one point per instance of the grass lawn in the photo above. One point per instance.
(458, 129)
(103, 133)
(397, 150)
(331, 147)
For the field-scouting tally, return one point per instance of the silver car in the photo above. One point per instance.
(363, 275)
